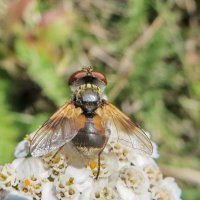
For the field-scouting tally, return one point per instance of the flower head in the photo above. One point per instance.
(123, 174)
(167, 189)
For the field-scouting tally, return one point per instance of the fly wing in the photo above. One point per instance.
(123, 129)
(58, 130)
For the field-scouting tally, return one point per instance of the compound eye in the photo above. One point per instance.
(86, 73)
(76, 76)
(99, 76)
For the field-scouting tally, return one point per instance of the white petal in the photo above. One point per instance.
(167, 189)
(85, 189)
(124, 192)
(145, 196)
(22, 149)
(27, 167)
(155, 153)
(100, 183)
(142, 161)
(17, 196)
(170, 183)
(80, 174)
(48, 192)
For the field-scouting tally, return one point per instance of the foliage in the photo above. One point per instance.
(147, 49)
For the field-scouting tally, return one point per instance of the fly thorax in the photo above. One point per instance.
(88, 97)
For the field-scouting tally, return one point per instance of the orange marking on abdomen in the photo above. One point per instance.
(98, 124)
(81, 121)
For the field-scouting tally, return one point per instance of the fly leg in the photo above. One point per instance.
(99, 163)
(56, 153)
(99, 155)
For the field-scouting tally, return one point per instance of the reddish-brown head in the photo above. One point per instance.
(86, 73)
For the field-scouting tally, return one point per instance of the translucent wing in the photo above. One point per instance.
(123, 129)
(58, 130)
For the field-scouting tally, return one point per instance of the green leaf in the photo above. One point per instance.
(41, 69)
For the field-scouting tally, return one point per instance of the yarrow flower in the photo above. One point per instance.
(65, 175)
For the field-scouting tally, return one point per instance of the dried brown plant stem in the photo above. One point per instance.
(185, 174)
(102, 55)
(126, 64)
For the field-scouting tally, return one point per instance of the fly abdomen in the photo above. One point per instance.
(89, 141)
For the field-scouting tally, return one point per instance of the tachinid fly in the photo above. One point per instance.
(87, 121)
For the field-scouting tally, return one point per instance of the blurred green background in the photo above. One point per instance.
(148, 49)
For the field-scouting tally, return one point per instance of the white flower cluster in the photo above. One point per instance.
(124, 175)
